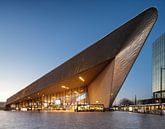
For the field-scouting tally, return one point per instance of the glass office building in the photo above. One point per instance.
(158, 63)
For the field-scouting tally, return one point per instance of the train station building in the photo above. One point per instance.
(92, 78)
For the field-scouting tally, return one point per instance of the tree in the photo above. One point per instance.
(126, 102)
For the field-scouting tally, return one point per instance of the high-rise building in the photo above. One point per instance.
(158, 65)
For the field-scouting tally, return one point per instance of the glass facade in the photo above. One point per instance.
(66, 100)
(158, 63)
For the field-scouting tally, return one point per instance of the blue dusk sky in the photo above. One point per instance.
(36, 36)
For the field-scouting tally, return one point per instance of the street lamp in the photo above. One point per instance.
(161, 71)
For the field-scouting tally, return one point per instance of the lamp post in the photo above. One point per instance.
(161, 71)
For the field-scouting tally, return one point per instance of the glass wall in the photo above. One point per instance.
(66, 100)
(158, 62)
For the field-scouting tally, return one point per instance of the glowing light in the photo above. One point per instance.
(45, 104)
(23, 109)
(57, 102)
(97, 101)
(81, 78)
(130, 109)
(64, 87)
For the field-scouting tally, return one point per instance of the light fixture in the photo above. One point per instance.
(97, 101)
(81, 78)
(64, 87)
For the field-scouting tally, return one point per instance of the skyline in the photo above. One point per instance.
(39, 41)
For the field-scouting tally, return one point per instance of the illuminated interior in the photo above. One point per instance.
(66, 100)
